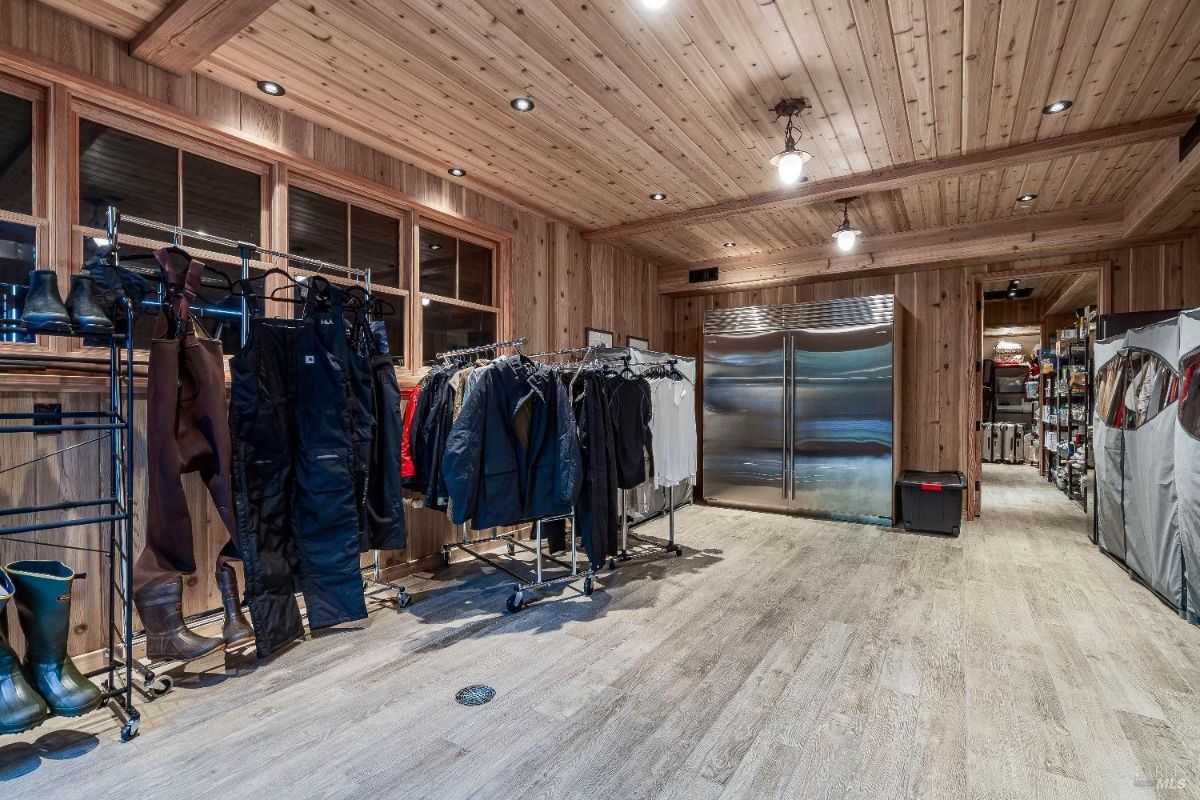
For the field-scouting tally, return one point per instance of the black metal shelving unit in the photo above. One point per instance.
(1071, 431)
(114, 513)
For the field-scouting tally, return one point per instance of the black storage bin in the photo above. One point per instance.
(932, 501)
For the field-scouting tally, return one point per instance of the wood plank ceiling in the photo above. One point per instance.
(631, 102)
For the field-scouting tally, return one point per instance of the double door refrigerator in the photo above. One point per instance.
(800, 409)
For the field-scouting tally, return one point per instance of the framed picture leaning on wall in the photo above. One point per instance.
(594, 337)
(638, 342)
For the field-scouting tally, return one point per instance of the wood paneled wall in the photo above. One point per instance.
(938, 406)
(559, 283)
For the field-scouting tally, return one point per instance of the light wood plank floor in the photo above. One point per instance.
(779, 658)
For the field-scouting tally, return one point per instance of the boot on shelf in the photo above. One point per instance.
(44, 310)
(21, 708)
(85, 312)
(168, 638)
(237, 631)
(43, 598)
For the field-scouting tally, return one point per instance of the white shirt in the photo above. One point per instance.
(673, 428)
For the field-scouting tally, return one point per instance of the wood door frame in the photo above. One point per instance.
(973, 333)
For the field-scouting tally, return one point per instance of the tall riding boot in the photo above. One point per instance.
(43, 597)
(44, 310)
(86, 313)
(21, 708)
(168, 637)
(237, 631)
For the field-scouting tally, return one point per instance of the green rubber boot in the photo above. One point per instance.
(21, 708)
(43, 596)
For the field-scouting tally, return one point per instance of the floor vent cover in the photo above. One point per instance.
(475, 695)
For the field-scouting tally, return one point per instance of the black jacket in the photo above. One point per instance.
(512, 455)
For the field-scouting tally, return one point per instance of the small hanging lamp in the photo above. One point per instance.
(790, 161)
(846, 234)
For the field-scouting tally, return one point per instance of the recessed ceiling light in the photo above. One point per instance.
(1025, 198)
(729, 244)
(272, 88)
(658, 196)
(1057, 107)
(457, 172)
(522, 104)
(654, 5)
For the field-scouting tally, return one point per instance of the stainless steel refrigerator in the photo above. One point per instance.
(800, 408)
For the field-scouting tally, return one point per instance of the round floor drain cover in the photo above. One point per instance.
(475, 695)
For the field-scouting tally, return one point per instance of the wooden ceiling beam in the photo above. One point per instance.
(1056, 231)
(1065, 300)
(1162, 187)
(1151, 130)
(188, 31)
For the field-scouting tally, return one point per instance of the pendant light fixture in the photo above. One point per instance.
(790, 162)
(846, 234)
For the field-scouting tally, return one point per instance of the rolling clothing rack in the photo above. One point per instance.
(523, 585)
(113, 512)
(154, 683)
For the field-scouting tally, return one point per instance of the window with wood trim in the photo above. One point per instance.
(457, 277)
(22, 198)
(350, 233)
(163, 181)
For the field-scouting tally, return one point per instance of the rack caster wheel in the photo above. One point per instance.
(512, 550)
(589, 586)
(404, 599)
(157, 687)
(516, 602)
(445, 558)
(678, 550)
(612, 563)
(130, 729)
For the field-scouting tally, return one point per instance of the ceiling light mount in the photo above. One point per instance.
(1027, 198)
(457, 172)
(729, 245)
(846, 234)
(522, 104)
(658, 197)
(790, 161)
(272, 88)
(1057, 107)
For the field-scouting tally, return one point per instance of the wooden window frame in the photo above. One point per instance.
(39, 220)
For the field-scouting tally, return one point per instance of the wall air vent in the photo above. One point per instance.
(702, 275)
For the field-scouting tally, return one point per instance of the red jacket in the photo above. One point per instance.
(407, 469)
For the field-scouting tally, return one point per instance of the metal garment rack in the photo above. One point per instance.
(523, 585)
(116, 511)
(154, 683)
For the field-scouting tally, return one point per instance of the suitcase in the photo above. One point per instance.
(1019, 444)
(1007, 449)
(985, 442)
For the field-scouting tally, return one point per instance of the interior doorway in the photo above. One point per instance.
(1033, 393)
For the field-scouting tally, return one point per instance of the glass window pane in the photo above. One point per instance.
(447, 327)
(18, 255)
(474, 273)
(394, 324)
(221, 200)
(316, 226)
(438, 252)
(16, 154)
(136, 174)
(375, 245)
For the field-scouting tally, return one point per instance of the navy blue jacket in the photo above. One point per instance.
(512, 455)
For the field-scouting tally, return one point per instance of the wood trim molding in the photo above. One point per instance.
(188, 31)
(1170, 179)
(1073, 144)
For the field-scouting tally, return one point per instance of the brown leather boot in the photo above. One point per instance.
(237, 631)
(168, 637)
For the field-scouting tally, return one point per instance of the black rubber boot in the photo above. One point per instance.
(44, 310)
(86, 313)
(21, 708)
(43, 597)
(168, 638)
(237, 631)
